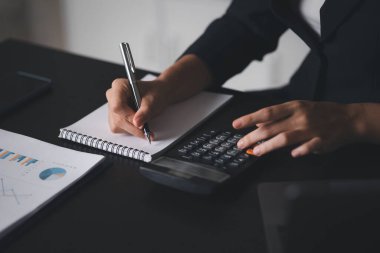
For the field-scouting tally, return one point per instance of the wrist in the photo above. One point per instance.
(356, 114)
(186, 77)
(162, 91)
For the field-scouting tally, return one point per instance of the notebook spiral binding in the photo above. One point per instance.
(104, 145)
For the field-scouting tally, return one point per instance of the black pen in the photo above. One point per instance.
(130, 68)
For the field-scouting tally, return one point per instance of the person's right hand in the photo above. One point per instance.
(121, 114)
(185, 78)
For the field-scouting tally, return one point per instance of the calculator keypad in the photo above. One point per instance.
(217, 149)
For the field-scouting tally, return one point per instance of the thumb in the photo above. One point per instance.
(143, 114)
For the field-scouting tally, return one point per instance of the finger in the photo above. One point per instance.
(118, 95)
(121, 84)
(120, 111)
(272, 113)
(119, 124)
(264, 132)
(251, 139)
(120, 121)
(311, 146)
(130, 128)
(120, 114)
(263, 124)
(117, 100)
(121, 87)
(281, 140)
(144, 113)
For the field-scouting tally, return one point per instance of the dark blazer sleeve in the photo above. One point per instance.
(247, 31)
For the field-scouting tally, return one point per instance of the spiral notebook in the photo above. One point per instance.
(168, 127)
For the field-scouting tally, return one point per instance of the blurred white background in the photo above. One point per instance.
(158, 31)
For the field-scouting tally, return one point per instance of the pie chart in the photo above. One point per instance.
(52, 174)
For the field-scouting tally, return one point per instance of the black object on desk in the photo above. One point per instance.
(19, 87)
(121, 211)
(202, 163)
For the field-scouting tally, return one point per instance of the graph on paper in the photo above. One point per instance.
(10, 194)
(32, 173)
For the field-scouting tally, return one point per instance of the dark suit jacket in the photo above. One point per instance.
(343, 64)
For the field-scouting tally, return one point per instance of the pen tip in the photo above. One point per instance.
(148, 137)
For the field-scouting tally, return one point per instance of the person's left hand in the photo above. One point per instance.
(315, 127)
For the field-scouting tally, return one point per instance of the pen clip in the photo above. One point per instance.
(129, 57)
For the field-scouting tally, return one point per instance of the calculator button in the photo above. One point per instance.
(233, 165)
(214, 153)
(195, 143)
(187, 157)
(219, 162)
(227, 144)
(250, 152)
(238, 136)
(221, 137)
(233, 140)
(239, 161)
(189, 146)
(183, 151)
(209, 145)
(244, 156)
(233, 152)
(207, 159)
(220, 149)
(201, 150)
(215, 141)
(201, 139)
(195, 154)
(226, 157)
(226, 133)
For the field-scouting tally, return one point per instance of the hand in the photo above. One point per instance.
(186, 77)
(314, 127)
(121, 114)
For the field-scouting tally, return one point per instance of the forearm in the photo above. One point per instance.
(185, 78)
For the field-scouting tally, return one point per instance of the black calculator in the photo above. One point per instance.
(200, 164)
